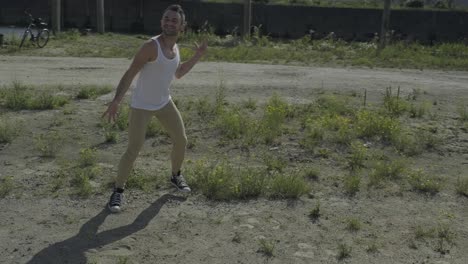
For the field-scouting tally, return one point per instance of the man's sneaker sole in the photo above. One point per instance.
(185, 190)
(114, 209)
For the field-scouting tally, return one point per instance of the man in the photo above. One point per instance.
(158, 62)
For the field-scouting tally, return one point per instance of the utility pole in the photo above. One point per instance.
(56, 16)
(247, 18)
(385, 24)
(100, 16)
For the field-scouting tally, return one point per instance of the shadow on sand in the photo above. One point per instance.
(72, 250)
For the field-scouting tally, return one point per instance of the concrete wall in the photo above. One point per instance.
(277, 21)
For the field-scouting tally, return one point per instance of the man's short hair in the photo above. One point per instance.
(178, 9)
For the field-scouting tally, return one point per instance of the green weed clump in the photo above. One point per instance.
(386, 170)
(344, 251)
(87, 157)
(266, 247)
(313, 135)
(48, 144)
(6, 186)
(334, 105)
(423, 182)
(216, 182)
(462, 186)
(232, 124)
(155, 129)
(21, 97)
(142, 180)
(274, 117)
(8, 130)
(370, 124)
(393, 104)
(315, 214)
(351, 184)
(357, 156)
(224, 181)
(287, 186)
(462, 111)
(123, 117)
(353, 224)
(92, 92)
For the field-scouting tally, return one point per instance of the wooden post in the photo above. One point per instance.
(56, 16)
(247, 18)
(385, 24)
(100, 16)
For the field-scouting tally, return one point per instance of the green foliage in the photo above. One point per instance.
(250, 104)
(48, 144)
(386, 170)
(92, 92)
(8, 130)
(142, 180)
(358, 155)
(6, 186)
(274, 163)
(311, 173)
(314, 134)
(155, 129)
(259, 47)
(314, 214)
(87, 157)
(274, 117)
(344, 251)
(122, 118)
(266, 247)
(370, 124)
(462, 186)
(393, 103)
(418, 110)
(232, 124)
(21, 97)
(334, 105)
(462, 111)
(421, 181)
(352, 183)
(224, 181)
(287, 186)
(353, 224)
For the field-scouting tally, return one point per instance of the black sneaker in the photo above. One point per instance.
(116, 201)
(179, 182)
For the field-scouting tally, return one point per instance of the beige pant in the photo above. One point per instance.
(170, 119)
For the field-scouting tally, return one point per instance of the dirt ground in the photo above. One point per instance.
(163, 226)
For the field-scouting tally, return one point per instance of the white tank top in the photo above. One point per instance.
(152, 88)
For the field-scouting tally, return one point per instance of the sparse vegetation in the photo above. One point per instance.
(6, 186)
(344, 251)
(353, 224)
(424, 182)
(22, 97)
(268, 148)
(87, 157)
(8, 130)
(48, 144)
(315, 214)
(352, 183)
(266, 247)
(92, 92)
(462, 186)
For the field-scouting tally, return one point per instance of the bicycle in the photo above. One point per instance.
(42, 36)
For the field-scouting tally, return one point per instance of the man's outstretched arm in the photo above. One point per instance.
(142, 57)
(185, 67)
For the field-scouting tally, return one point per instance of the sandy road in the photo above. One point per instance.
(258, 78)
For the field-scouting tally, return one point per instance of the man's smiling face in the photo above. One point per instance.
(172, 23)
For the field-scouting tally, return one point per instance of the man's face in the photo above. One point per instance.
(171, 23)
